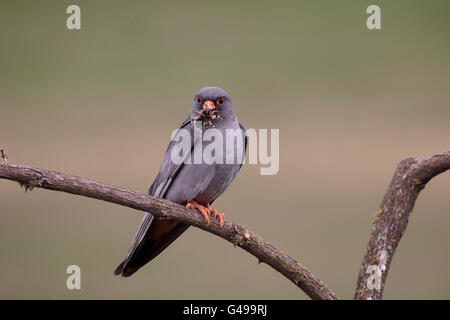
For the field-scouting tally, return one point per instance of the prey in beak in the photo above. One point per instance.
(209, 109)
(208, 112)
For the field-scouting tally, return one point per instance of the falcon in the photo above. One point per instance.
(192, 184)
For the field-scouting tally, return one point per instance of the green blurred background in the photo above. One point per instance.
(102, 102)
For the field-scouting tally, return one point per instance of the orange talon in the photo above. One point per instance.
(205, 211)
(216, 214)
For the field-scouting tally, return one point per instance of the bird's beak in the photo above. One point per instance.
(208, 105)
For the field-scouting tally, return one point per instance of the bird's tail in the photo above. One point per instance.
(147, 250)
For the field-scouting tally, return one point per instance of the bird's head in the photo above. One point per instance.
(211, 105)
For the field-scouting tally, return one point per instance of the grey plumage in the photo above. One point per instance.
(183, 182)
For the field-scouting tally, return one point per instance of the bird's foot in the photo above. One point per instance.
(203, 210)
(206, 212)
(216, 214)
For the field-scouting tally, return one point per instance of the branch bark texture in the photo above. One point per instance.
(238, 235)
(391, 219)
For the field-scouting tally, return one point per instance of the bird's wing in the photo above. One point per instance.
(169, 169)
(166, 175)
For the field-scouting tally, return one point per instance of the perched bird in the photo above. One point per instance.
(195, 185)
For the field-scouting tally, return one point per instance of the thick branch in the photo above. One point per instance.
(390, 221)
(236, 234)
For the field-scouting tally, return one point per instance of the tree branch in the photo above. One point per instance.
(238, 235)
(390, 221)
(410, 177)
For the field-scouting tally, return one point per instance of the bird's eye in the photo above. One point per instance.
(220, 101)
(199, 100)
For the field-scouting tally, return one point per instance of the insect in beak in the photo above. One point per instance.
(207, 113)
(209, 108)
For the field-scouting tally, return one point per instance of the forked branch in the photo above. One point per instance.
(389, 223)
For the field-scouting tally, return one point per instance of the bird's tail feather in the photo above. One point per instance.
(147, 250)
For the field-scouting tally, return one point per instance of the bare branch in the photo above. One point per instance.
(390, 221)
(236, 234)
